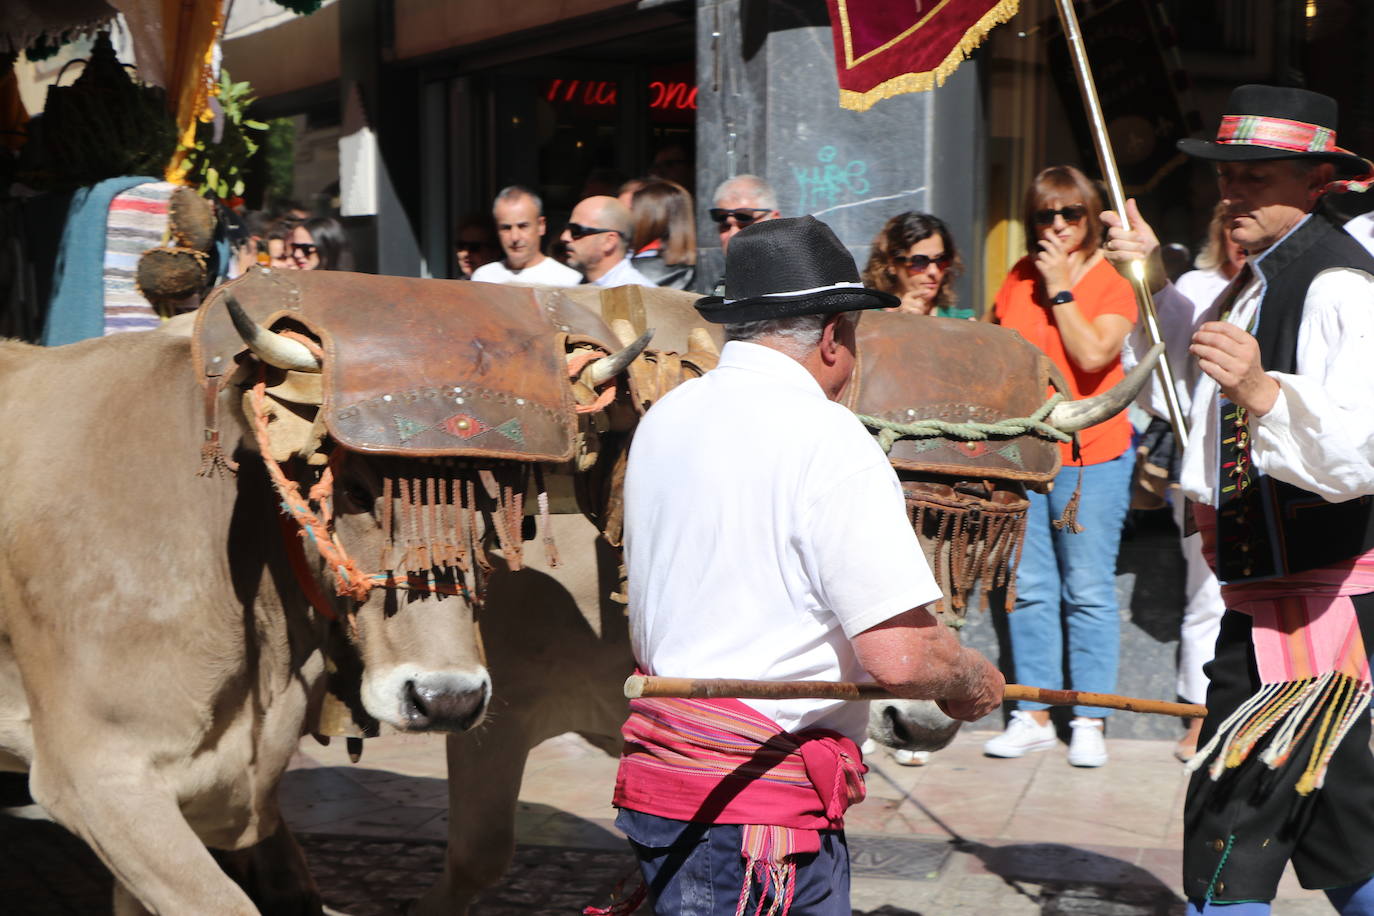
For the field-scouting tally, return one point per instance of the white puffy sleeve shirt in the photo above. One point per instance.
(1320, 433)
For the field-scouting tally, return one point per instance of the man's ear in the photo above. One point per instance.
(830, 344)
(1319, 178)
(543, 227)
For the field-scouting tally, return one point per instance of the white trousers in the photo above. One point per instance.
(1202, 612)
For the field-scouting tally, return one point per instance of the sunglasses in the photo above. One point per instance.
(577, 231)
(743, 216)
(304, 249)
(917, 263)
(1072, 214)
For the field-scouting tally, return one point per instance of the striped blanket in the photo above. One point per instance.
(137, 221)
(721, 762)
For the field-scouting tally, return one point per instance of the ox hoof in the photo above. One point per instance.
(911, 725)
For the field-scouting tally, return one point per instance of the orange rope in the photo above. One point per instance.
(349, 580)
(607, 393)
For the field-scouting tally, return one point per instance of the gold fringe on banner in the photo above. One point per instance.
(929, 79)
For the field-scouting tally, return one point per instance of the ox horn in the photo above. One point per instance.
(608, 367)
(270, 347)
(1071, 416)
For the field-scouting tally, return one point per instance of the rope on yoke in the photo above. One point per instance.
(889, 431)
(605, 396)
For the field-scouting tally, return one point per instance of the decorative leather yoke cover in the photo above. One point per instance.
(420, 367)
(915, 368)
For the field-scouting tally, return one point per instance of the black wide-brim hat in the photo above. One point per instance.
(785, 268)
(1275, 122)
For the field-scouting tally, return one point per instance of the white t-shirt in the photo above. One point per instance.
(763, 528)
(547, 272)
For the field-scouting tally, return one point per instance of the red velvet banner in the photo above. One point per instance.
(884, 48)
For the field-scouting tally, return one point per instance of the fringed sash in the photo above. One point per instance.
(1312, 663)
(719, 761)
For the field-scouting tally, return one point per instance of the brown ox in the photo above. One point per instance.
(159, 654)
(557, 642)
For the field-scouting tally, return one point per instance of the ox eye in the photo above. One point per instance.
(359, 495)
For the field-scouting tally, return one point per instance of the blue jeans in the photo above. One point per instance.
(698, 869)
(1066, 586)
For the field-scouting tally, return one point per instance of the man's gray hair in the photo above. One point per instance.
(796, 336)
(751, 187)
(514, 192)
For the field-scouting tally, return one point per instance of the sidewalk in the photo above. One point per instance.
(964, 835)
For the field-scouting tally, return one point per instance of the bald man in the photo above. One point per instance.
(598, 239)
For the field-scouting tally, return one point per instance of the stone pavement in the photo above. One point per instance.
(964, 835)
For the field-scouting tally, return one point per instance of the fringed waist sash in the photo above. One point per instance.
(720, 761)
(1312, 661)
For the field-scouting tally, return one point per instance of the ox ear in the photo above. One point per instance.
(295, 424)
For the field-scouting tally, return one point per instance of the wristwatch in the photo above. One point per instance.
(1061, 297)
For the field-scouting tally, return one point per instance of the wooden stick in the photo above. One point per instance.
(639, 685)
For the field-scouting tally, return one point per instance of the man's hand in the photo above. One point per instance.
(1232, 357)
(988, 686)
(1139, 243)
(1053, 264)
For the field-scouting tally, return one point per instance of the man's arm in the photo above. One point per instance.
(913, 656)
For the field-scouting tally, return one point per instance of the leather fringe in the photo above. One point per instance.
(430, 515)
(976, 531)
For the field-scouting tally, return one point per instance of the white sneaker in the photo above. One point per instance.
(910, 758)
(1022, 736)
(1087, 749)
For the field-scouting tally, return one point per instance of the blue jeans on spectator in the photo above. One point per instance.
(698, 869)
(1066, 586)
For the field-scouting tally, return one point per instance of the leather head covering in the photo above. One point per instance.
(783, 268)
(1274, 122)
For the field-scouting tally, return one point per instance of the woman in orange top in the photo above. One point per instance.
(1067, 300)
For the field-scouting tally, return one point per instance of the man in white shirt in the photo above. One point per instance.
(598, 240)
(766, 537)
(1280, 462)
(519, 215)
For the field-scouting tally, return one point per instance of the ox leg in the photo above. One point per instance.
(275, 875)
(134, 825)
(484, 772)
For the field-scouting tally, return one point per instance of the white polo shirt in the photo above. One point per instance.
(547, 272)
(763, 528)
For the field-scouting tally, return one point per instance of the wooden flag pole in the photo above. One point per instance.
(640, 685)
(1107, 162)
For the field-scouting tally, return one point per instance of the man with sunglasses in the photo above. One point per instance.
(598, 238)
(742, 201)
(1280, 469)
(519, 215)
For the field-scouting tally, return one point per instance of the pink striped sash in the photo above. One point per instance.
(722, 762)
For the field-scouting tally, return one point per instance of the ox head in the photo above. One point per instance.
(401, 539)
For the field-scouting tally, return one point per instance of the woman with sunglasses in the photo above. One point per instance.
(913, 257)
(1065, 298)
(319, 243)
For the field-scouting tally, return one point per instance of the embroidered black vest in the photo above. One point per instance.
(1267, 528)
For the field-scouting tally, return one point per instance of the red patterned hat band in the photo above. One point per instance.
(1295, 136)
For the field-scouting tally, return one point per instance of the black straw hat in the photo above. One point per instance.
(1275, 122)
(783, 268)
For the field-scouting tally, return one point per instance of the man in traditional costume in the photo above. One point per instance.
(766, 537)
(1280, 466)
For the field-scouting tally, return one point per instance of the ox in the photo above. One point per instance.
(163, 646)
(557, 641)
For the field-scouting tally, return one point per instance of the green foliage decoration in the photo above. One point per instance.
(216, 169)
